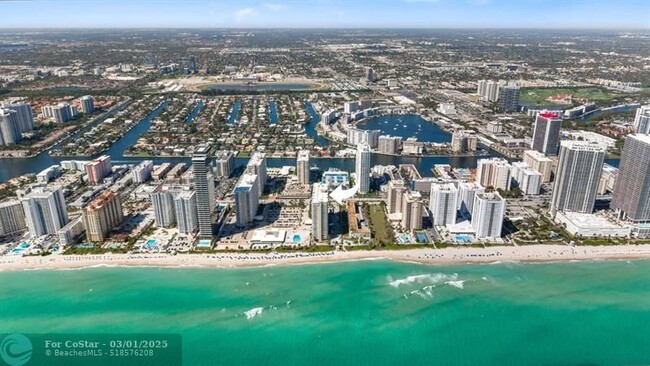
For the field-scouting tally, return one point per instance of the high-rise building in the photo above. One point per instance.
(12, 217)
(412, 211)
(370, 74)
(539, 162)
(45, 210)
(526, 178)
(319, 213)
(246, 199)
(443, 201)
(509, 98)
(225, 162)
(481, 88)
(63, 112)
(389, 144)
(186, 214)
(98, 169)
(257, 165)
(466, 193)
(642, 120)
(191, 65)
(546, 133)
(494, 172)
(492, 91)
(362, 168)
(356, 136)
(302, 166)
(463, 141)
(349, 107)
(9, 132)
(578, 173)
(487, 215)
(87, 104)
(201, 167)
(24, 114)
(162, 200)
(101, 215)
(142, 172)
(395, 197)
(631, 195)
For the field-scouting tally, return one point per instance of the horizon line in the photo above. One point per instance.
(328, 28)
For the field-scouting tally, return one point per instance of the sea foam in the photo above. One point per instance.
(457, 284)
(432, 278)
(250, 314)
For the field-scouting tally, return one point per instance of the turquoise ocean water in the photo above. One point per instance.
(354, 313)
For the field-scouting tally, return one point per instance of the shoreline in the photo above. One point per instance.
(544, 253)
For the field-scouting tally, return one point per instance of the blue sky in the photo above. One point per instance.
(632, 14)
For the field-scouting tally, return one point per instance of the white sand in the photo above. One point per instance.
(455, 255)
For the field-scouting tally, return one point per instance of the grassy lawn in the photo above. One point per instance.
(379, 225)
(537, 96)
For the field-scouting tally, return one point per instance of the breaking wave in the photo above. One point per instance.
(252, 313)
(431, 278)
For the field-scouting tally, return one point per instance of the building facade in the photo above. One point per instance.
(101, 215)
(546, 133)
(302, 166)
(578, 174)
(362, 168)
(631, 196)
(202, 184)
(443, 203)
(247, 198)
(487, 215)
(45, 210)
(319, 213)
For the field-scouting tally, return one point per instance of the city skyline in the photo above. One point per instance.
(628, 14)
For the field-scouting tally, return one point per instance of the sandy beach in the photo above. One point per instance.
(534, 253)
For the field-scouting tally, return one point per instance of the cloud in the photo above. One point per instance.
(244, 13)
(275, 7)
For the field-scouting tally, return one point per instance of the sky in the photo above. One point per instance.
(596, 14)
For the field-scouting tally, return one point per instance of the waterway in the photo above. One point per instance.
(14, 167)
(405, 126)
(195, 112)
(273, 113)
(236, 106)
(310, 128)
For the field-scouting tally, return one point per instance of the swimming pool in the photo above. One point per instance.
(297, 238)
(20, 248)
(421, 237)
(463, 238)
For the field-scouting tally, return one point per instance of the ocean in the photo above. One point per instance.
(354, 313)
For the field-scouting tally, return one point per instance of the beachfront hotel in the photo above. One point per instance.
(578, 174)
(247, 198)
(319, 213)
(487, 215)
(444, 197)
(202, 182)
(631, 196)
(101, 215)
(45, 210)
